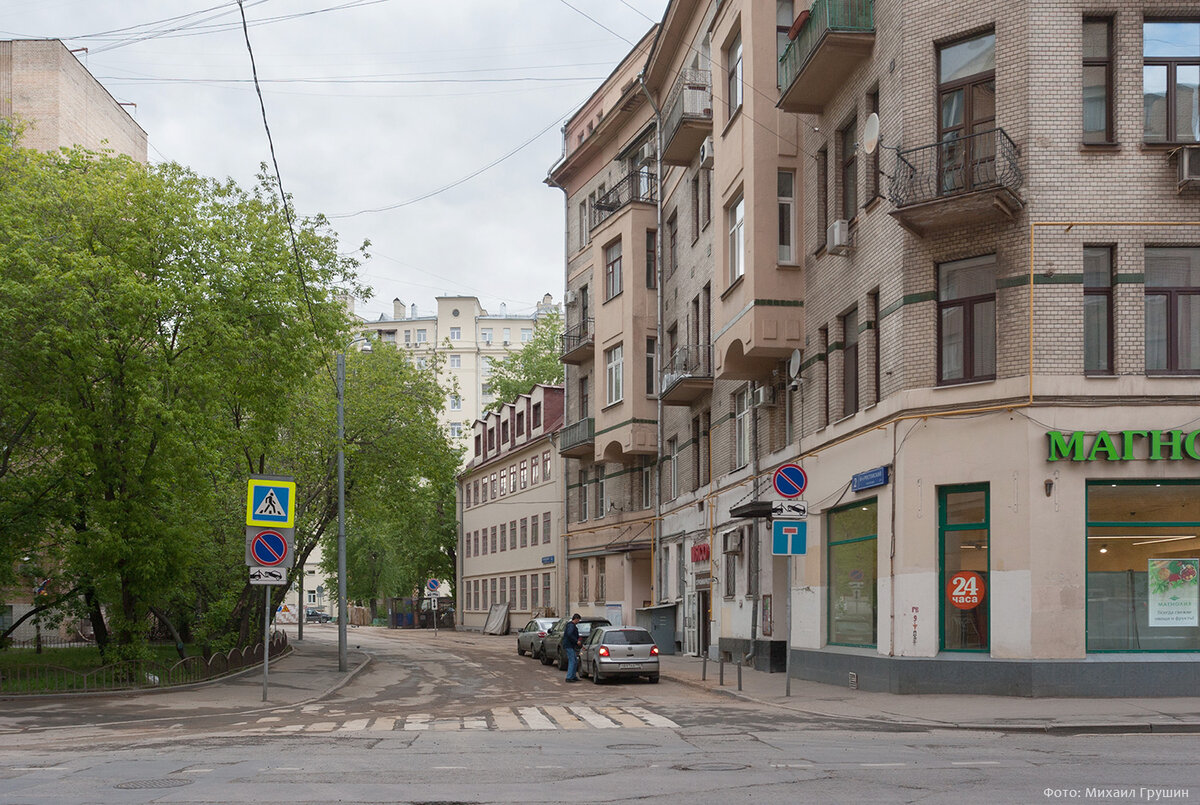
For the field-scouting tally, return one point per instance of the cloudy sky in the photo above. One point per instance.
(376, 108)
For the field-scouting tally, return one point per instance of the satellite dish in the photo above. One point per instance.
(794, 364)
(870, 134)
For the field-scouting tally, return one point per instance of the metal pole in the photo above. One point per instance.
(787, 644)
(341, 511)
(301, 607)
(266, 635)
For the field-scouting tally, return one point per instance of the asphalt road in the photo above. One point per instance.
(462, 718)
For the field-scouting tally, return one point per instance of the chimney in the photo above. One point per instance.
(503, 309)
(397, 308)
(414, 310)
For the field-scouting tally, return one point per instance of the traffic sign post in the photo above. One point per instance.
(789, 537)
(790, 481)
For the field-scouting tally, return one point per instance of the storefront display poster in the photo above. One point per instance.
(1174, 592)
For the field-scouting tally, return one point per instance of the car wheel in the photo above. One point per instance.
(653, 679)
(596, 678)
(520, 651)
(545, 658)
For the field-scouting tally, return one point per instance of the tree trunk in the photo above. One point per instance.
(165, 621)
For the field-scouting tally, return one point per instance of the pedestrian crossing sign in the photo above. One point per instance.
(271, 501)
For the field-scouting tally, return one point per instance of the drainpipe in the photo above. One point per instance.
(754, 469)
(554, 439)
(659, 594)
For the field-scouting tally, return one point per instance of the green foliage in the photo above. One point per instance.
(538, 361)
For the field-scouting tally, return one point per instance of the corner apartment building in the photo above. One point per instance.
(995, 313)
(510, 504)
(466, 338)
(44, 85)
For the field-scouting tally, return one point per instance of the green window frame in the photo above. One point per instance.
(952, 532)
(845, 535)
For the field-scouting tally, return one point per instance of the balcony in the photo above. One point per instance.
(687, 375)
(688, 117)
(578, 439)
(641, 186)
(964, 181)
(836, 38)
(577, 342)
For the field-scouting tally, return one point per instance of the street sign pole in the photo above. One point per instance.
(266, 636)
(787, 662)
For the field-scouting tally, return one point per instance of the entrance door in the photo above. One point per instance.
(964, 537)
(702, 620)
(966, 107)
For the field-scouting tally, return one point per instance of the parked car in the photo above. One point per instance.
(315, 615)
(535, 630)
(614, 651)
(552, 650)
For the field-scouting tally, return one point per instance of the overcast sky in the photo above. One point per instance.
(372, 104)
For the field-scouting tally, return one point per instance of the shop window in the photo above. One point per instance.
(1143, 557)
(853, 571)
(1172, 310)
(964, 531)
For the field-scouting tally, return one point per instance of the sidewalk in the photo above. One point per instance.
(949, 711)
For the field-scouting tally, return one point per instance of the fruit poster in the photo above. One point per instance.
(1174, 592)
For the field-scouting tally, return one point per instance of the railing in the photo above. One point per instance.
(577, 434)
(954, 167)
(691, 97)
(693, 360)
(134, 674)
(576, 336)
(636, 186)
(851, 16)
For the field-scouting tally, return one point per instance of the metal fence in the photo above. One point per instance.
(639, 185)
(857, 16)
(955, 166)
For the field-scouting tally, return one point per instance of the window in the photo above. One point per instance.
(503, 434)
(614, 374)
(533, 528)
(524, 601)
(1097, 81)
(967, 320)
(600, 503)
(853, 571)
(495, 599)
(741, 428)
(695, 206)
(651, 260)
(850, 363)
(673, 475)
(849, 170)
(786, 181)
(537, 416)
(876, 344)
(1172, 310)
(612, 270)
(784, 17)
(503, 482)
(455, 402)
(408, 337)
(475, 543)
(546, 534)
(733, 78)
(672, 255)
(651, 367)
(485, 364)
(524, 474)
(737, 239)
(526, 335)
(504, 536)
(524, 532)
(534, 466)
(730, 562)
(503, 589)
(706, 198)
(494, 490)
(823, 345)
(533, 591)
(873, 176)
(1097, 310)
(583, 580)
(1171, 81)
(600, 580)
(584, 397)
(967, 100)
(485, 335)
(456, 361)
(964, 535)
(583, 224)
(478, 445)
(455, 333)
(546, 465)
(822, 197)
(583, 495)
(512, 487)
(646, 476)
(520, 424)
(455, 430)
(486, 390)
(421, 337)
(494, 539)
(546, 590)
(512, 535)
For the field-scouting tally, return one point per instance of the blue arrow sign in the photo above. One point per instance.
(269, 548)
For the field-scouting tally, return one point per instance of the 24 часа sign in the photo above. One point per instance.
(1123, 445)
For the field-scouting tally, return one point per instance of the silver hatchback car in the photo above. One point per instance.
(613, 651)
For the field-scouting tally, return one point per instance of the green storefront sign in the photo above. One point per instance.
(1123, 445)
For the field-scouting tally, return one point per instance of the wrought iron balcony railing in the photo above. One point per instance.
(690, 101)
(687, 362)
(577, 335)
(839, 16)
(635, 186)
(955, 167)
(577, 435)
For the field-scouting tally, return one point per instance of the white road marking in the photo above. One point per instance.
(595, 719)
(265, 719)
(385, 724)
(974, 763)
(355, 725)
(653, 719)
(881, 765)
(323, 726)
(504, 719)
(534, 718)
(196, 771)
(447, 724)
(563, 718)
(622, 717)
(418, 721)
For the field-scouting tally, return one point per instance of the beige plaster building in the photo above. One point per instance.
(510, 504)
(993, 318)
(61, 104)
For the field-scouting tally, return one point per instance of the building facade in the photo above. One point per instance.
(510, 504)
(976, 331)
(61, 104)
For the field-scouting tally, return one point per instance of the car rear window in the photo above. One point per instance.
(629, 637)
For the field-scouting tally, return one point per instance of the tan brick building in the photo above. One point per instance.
(995, 315)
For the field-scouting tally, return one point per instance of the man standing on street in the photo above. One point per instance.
(570, 643)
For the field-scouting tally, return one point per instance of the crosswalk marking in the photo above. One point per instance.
(505, 720)
(323, 726)
(653, 719)
(621, 717)
(592, 717)
(417, 721)
(534, 719)
(385, 724)
(355, 725)
(563, 718)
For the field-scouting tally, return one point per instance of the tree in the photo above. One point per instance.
(538, 361)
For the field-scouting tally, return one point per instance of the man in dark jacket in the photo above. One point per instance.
(571, 642)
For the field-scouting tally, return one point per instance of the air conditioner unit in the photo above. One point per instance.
(706, 153)
(731, 541)
(646, 154)
(569, 297)
(837, 237)
(763, 395)
(1189, 166)
(506, 342)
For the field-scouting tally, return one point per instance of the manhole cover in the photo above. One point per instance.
(712, 767)
(163, 782)
(620, 747)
